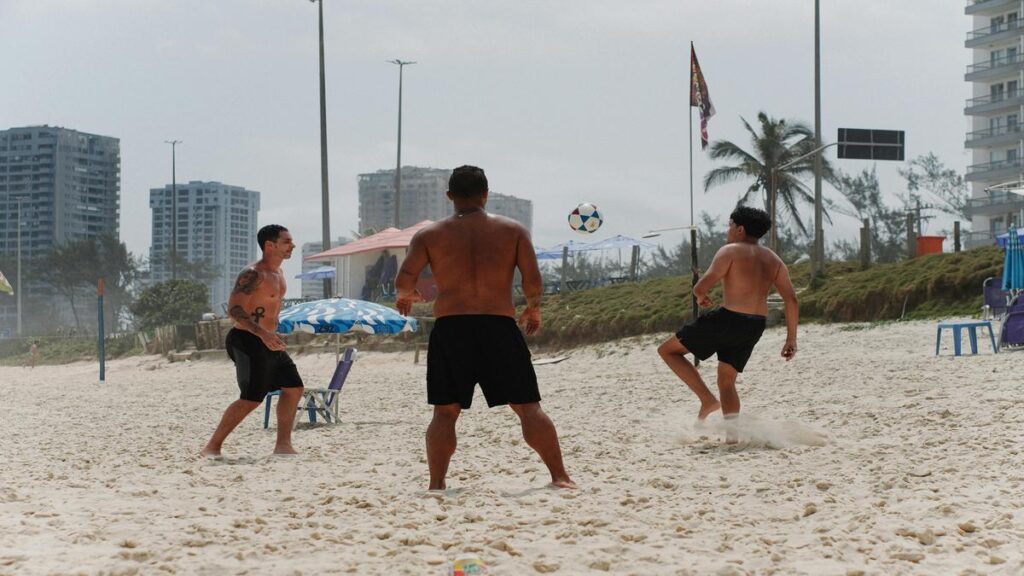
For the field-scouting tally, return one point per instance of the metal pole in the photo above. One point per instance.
(694, 311)
(771, 204)
(818, 262)
(19, 266)
(325, 207)
(101, 346)
(174, 208)
(397, 221)
(565, 266)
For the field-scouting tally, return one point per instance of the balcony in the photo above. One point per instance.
(993, 136)
(996, 203)
(994, 34)
(999, 171)
(989, 7)
(994, 68)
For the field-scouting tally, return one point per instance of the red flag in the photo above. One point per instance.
(699, 97)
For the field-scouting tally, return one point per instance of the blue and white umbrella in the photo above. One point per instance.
(318, 273)
(337, 315)
(1013, 264)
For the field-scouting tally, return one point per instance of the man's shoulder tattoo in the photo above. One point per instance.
(247, 281)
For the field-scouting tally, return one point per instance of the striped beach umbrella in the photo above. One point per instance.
(338, 315)
(1013, 264)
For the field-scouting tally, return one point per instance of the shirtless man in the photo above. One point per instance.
(747, 271)
(473, 256)
(261, 363)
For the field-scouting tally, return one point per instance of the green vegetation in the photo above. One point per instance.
(56, 350)
(171, 302)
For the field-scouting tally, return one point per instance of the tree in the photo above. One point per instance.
(171, 302)
(928, 173)
(888, 225)
(199, 270)
(779, 142)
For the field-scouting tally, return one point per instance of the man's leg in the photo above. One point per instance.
(441, 442)
(539, 432)
(674, 354)
(730, 400)
(286, 408)
(236, 412)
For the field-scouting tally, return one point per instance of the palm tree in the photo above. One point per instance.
(779, 143)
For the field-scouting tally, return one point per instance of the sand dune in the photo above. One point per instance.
(867, 454)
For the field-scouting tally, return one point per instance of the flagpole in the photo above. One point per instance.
(694, 310)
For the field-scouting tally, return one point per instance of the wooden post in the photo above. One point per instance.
(565, 267)
(865, 245)
(956, 236)
(911, 236)
(634, 264)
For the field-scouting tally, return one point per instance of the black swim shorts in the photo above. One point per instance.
(484, 349)
(259, 369)
(732, 335)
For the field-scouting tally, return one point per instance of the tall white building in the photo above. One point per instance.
(995, 109)
(216, 225)
(423, 198)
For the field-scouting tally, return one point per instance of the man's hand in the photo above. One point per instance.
(529, 320)
(404, 303)
(705, 301)
(789, 350)
(272, 341)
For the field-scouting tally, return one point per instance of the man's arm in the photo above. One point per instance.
(792, 308)
(533, 284)
(240, 302)
(405, 282)
(719, 266)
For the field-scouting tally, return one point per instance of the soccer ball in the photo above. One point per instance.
(585, 219)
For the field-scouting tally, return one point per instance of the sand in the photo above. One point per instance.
(866, 454)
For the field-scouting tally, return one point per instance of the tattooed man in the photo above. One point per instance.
(261, 363)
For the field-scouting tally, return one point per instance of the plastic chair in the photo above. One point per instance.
(322, 401)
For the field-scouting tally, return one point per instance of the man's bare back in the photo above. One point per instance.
(751, 274)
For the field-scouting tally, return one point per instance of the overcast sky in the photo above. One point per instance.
(560, 101)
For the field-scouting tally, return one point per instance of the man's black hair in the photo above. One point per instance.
(269, 233)
(467, 182)
(755, 221)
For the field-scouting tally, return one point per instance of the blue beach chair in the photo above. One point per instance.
(322, 401)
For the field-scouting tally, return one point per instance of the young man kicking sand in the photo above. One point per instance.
(473, 256)
(747, 271)
(261, 363)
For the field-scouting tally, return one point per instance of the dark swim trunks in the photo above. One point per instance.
(730, 334)
(259, 369)
(484, 349)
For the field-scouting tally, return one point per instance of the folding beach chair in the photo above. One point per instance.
(1011, 333)
(994, 298)
(322, 401)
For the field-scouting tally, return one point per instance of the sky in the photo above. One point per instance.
(561, 102)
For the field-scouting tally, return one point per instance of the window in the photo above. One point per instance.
(1011, 155)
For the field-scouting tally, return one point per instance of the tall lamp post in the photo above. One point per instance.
(19, 266)
(398, 168)
(818, 261)
(174, 208)
(324, 188)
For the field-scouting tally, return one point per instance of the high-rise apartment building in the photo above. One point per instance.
(69, 186)
(995, 140)
(216, 226)
(423, 198)
(314, 289)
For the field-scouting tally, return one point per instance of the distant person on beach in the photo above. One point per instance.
(33, 354)
(473, 256)
(747, 271)
(261, 363)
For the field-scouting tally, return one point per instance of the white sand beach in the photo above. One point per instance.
(870, 456)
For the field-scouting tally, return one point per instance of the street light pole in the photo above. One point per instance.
(324, 188)
(398, 168)
(174, 208)
(19, 267)
(818, 261)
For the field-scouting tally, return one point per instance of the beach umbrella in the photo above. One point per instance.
(318, 273)
(1003, 238)
(337, 315)
(1013, 264)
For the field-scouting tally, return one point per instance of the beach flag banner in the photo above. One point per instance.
(699, 97)
(5, 286)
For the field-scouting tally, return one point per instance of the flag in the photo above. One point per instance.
(699, 97)
(5, 286)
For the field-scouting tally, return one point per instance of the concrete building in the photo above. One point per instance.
(69, 184)
(314, 289)
(996, 41)
(423, 198)
(216, 225)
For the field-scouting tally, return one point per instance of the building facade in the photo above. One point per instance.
(217, 225)
(995, 110)
(69, 186)
(423, 198)
(314, 289)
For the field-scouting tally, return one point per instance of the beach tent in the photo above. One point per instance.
(1003, 238)
(613, 243)
(318, 273)
(352, 260)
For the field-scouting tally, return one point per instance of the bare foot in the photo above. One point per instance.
(707, 410)
(564, 483)
(208, 452)
(285, 450)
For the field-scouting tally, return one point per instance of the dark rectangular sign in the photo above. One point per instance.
(863, 144)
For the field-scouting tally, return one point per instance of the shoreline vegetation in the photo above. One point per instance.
(934, 286)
